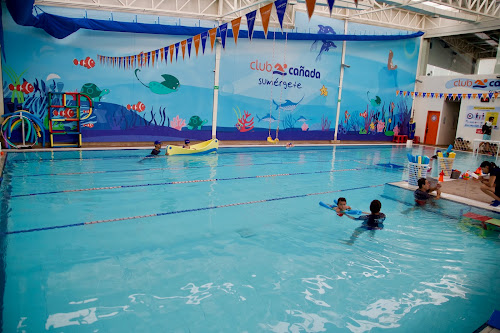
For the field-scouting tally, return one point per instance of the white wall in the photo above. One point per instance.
(448, 122)
(447, 58)
(439, 85)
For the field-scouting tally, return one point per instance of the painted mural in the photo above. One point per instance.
(279, 88)
(162, 101)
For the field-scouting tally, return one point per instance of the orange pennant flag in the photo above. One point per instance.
(171, 47)
(196, 40)
(412, 94)
(213, 33)
(464, 96)
(162, 52)
(265, 14)
(310, 7)
(183, 47)
(236, 28)
(474, 96)
(454, 96)
(153, 53)
(495, 94)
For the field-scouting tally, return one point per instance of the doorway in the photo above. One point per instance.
(431, 127)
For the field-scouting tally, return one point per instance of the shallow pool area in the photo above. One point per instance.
(106, 241)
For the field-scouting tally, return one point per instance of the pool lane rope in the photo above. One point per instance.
(183, 182)
(186, 210)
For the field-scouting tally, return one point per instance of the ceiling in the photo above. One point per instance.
(477, 45)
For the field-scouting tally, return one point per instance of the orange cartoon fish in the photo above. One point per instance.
(364, 114)
(87, 62)
(139, 107)
(64, 113)
(26, 87)
(89, 125)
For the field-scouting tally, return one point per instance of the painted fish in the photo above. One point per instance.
(87, 62)
(347, 116)
(169, 84)
(267, 118)
(364, 114)
(64, 113)
(327, 44)
(288, 105)
(139, 107)
(89, 125)
(26, 87)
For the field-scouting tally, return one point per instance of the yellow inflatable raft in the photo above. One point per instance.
(205, 147)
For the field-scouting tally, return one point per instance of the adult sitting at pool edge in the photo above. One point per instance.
(489, 185)
(423, 193)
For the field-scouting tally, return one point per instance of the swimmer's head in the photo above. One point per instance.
(375, 206)
(187, 141)
(342, 203)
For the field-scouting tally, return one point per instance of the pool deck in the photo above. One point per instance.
(459, 190)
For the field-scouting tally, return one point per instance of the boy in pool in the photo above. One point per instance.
(186, 144)
(157, 148)
(342, 206)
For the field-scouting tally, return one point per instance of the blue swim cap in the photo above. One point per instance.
(187, 141)
(157, 142)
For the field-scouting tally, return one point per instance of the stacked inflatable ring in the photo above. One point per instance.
(33, 128)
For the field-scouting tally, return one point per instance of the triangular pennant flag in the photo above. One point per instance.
(166, 54)
(280, 10)
(149, 57)
(204, 36)
(469, 96)
(235, 25)
(189, 42)
(162, 54)
(119, 62)
(412, 94)
(250, 22)
(474, 96)
(441, 95)
(196, 40)
(265, 14)
(310, 7)
(223, 34)
(432, 95)
(356, 3)
(153, 57)
(183, 47)
(404, 93)
(464, 96)
(424, 95)
(213, 33)
(176, 51)
(495, 94)
(171, 52)
(490, 95)
(330, 5)
(397, 92)
(157, 53)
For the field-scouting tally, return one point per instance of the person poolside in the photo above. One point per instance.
(423, 193)
(489, 185)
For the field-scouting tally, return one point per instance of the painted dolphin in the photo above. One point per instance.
(288, 105)
(323, 29)
(267, 118)
(169, 84)
(327, 44)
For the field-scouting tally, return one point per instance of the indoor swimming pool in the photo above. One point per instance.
(107, 241)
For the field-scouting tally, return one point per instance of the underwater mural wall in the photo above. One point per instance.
(163, 101)
(267, 87)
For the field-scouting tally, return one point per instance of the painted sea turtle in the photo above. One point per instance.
(195, 122)
(91, 90)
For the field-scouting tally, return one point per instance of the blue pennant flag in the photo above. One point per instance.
(189, 42)
(280, 10)
(223, 34)
(250, 22)
(176, 50)
(330, 5)
(204, 36)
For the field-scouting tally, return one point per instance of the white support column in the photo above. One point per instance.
(216, 88)
(341, 80)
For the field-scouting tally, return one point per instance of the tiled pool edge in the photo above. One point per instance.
(451, 197)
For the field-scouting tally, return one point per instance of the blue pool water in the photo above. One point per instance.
(100, 241)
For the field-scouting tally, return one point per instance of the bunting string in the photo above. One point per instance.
(449, 96)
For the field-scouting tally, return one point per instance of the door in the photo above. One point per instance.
(431, 128)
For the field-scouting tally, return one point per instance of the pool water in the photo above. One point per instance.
(105, 241)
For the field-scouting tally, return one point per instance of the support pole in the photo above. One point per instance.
(216, 88)
(341, 80)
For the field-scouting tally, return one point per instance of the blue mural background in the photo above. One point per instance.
(129, 107)
(49, 65)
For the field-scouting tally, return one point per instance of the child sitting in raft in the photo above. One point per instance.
(157, 148)
(186, 144)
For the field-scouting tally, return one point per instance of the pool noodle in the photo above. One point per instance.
(331, 207)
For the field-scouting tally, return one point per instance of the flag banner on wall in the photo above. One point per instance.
(450, 96)
(213, 33)
(204, 36)
(196, 40)
(265, 14)
(251, 22)
(310, 7)
(223, 34)
(176, 51)
(235, 25)
(330, 5)
(171, 52)
(424, 95)
(397, 92)
(162, 54)
(280, 11)
(189, 43)
(183, 48)
(153, 57)
(166, 54)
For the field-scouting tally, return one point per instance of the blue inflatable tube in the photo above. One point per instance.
(332, 207)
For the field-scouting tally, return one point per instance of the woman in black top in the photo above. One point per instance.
(490, 186)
